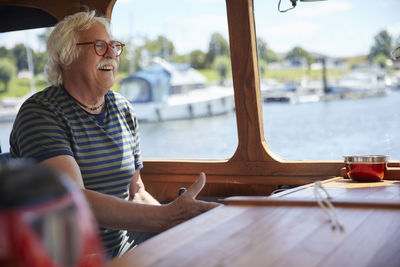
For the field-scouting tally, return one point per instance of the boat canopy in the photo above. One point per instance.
(151, 85)
(161, 79)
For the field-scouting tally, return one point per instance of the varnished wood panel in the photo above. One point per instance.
(61, 8)
(274, 236)
(288, 230)
(169, 190)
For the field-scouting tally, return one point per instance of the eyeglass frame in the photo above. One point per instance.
(108, 45)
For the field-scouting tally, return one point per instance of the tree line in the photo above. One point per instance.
(216, 57)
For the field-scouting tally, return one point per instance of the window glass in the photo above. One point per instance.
(176, 70)
(328, 83)
(22, 59)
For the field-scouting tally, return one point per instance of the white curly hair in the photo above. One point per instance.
(61, 45)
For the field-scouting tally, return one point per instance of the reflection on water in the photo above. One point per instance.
(202, 138)
(333, 129)
(309, 131)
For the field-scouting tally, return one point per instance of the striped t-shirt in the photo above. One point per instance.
(106, 146)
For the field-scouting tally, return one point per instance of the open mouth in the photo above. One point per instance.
(106, 68)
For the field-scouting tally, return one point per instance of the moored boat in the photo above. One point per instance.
(170, 91)
(358, 83)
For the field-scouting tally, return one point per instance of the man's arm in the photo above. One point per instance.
(138, 193)
(116, 213)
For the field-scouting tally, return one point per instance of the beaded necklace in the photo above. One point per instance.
(90, 108)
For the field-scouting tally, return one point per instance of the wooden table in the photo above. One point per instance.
(287, 229)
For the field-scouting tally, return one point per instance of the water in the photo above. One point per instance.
(5, 129)
(330, 130)
(309, 131)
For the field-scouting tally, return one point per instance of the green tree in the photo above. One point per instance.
(264, 53)
(222, 65)
(161, 46)
(19, 52)
(7, 71)
(262, 66)
(298, 53)
(129, 59)
(397, 42)
(382, 46)
(125, 57)
(218, 46)
(380, 60)
(39, 61)
(272, 56)
(197, 59)
(123, 63)
(6, 53)
(179, 58)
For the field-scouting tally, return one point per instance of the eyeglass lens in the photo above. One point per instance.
(101, 47)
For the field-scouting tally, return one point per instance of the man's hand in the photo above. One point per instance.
(138, 193)
(186, 206)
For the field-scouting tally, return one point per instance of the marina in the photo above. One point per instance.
(358, 83)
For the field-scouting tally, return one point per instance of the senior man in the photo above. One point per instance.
(81, 127)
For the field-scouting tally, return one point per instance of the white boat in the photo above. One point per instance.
(169, 91)
(363, 82)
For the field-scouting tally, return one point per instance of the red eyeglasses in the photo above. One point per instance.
(101, 47)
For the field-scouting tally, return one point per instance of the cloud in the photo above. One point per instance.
(394, 29)
(11, 39)
(323, 9)
(204, 22)
(196, 31)
(293, 29)
(283, 37)
(388, 3)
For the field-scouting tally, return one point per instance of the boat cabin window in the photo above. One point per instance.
(136, 90)
(177, 73)
(328, 84)
(22, 61)
(175, 68)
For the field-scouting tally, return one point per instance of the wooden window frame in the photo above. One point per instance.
(253, 169)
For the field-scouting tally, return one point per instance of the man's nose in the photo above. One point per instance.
(110, 53)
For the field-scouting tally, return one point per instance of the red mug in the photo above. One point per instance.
(369, 168)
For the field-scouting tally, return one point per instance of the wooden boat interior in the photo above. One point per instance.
(253, 170)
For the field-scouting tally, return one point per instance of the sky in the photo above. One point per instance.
(336, 28)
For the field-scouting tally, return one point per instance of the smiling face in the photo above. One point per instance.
(91, 71)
